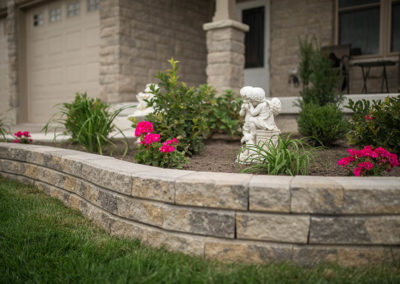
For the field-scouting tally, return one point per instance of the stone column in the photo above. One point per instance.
(12, 51)
(225, 47)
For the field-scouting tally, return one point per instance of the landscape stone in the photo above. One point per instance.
(270, 227)
(200, 221)
(270, 193)
(218, 190)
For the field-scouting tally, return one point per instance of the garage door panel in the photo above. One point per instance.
(62, 58)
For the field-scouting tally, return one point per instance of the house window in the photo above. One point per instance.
(371, 27)
(38, 19)
(55, 15)
(73, 9)
(395, 35)
(254, 38)
(93, 5)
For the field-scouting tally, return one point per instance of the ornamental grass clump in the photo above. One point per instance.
(369, 161)
(153, 152)
(23, 137)
(287, 156)
(4, 129)
(88, 121)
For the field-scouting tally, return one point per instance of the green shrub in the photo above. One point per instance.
(180, 111)
(88, 121)
(288, 156)
(224, 117)
(319, 79)
(4, 129)
(376, 124)
(323, 125)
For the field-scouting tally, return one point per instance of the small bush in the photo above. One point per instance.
(4, 129)
(180, 110)
(323, 125)
(224, 117)
(376, 124)
(154, 153)
(288, 156)
(89, 121)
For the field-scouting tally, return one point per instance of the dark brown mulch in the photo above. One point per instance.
(220, 154)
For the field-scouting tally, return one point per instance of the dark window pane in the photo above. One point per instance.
(396, 27)
(360, 29)
(254, 38)
(350, 3)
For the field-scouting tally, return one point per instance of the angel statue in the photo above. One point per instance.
(142, 109)
(259, 116)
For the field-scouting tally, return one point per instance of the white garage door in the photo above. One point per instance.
(4, 91)
(62, 40)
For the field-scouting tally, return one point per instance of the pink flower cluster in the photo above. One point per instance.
(144, 130)
(368, 117)
(22, 137)
(168, 146)
(369, 161)
(143, 127)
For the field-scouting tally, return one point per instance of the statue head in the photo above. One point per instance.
(254, 94)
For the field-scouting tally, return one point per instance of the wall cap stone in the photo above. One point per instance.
(226, 24)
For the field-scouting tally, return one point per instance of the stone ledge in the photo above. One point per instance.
(224, 216)
(226, 24)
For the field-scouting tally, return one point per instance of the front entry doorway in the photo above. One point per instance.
(256, 15)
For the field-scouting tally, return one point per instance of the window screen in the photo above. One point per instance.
(395, 46)
(360, 28)
(254, 38)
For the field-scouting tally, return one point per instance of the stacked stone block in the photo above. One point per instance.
(138, 37)
(230, 217)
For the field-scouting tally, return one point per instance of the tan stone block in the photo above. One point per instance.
(363, 256)
(199, 221)
(355, 230)
(70, 183)
(30, 171)
(219, 190)
(226, 251)
(269, 253)
(74, 202)
(271, 227)
(313, 255)
(126, 229)
(270, 193)
(191, 245)
(158, 185)
(316, 195)
(139, 210)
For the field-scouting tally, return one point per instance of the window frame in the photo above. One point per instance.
(385, 27)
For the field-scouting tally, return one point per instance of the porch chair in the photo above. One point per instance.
(340, 56)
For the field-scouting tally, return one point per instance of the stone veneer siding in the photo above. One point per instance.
(138, 37)
(291, 19)
(230, 217)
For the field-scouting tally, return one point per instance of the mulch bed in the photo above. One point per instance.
(220, 154)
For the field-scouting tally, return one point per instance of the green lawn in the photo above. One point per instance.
(42, 241)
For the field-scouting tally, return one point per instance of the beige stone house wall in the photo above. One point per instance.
(138, 37)
(291, 19)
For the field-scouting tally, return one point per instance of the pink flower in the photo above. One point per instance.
(150, 138)
(345, 161)
(26, 134)
(367, 117)
(357, 172)
(18, 134)
(143, 127)
(16, 140)
(167, 148)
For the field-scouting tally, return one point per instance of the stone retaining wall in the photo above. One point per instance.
(233, 217)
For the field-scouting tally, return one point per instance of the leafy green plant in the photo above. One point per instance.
(323, 125)
(4, 129)
(286, 156)
(89, 121)
(376, 123)
(180, 110)
(319, 79)
(224, 117)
